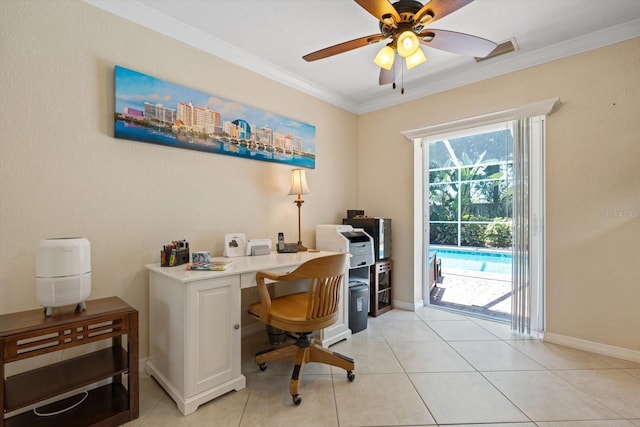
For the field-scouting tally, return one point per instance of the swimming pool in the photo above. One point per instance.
(474, 259)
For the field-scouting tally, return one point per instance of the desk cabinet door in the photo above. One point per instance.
(213, 333)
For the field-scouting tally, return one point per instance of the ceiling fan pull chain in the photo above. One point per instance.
(394, 75)
(402, 77)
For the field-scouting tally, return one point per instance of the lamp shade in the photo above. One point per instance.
(408, 43)
(415, 59)
(298, 182)
(384, 58)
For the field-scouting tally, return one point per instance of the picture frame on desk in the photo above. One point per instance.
(235, 245)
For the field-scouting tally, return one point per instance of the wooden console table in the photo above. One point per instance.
(29, 333)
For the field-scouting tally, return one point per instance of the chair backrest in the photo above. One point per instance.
(325, 275)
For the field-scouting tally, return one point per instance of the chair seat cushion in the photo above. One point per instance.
(293, 307)
(289, 312)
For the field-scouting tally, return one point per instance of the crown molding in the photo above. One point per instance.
(170, 27)
(143, 15)
(508, 63)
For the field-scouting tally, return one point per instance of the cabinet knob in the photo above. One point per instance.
(236, 326)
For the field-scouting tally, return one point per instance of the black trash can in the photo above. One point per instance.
(276, 336)
(358, 307)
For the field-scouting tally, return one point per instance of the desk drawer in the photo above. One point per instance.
(248, 280)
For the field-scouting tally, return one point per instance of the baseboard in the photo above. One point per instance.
(142, 363)
(593, 347)
(407, 305)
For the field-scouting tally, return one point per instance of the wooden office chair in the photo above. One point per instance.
(302, 313)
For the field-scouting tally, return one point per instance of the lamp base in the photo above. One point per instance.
(301, 247)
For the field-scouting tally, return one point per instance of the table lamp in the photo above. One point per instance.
(299, 187)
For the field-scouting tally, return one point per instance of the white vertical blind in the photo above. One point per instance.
(527, 314)
(521, 273)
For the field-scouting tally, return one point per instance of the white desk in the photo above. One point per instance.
(194, 325)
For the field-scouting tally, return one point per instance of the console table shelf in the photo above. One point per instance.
(105, 405)
(28, 334)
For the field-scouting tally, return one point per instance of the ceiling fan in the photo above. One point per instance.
(403, 23)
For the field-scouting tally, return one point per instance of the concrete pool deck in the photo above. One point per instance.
(474, 292)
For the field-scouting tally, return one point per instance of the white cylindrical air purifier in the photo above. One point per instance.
(63, 273)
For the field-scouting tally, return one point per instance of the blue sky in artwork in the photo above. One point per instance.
(133, 89)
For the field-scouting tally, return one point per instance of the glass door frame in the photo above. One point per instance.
(420, 205)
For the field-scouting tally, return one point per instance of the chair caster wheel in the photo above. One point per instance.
(263, 366)
(351, 376)
(296, 399)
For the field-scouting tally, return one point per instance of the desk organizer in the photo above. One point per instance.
(175, 253)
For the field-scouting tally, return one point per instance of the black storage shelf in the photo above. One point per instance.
(381, 287)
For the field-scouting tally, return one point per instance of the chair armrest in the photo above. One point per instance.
(272, 275)
(265, 297)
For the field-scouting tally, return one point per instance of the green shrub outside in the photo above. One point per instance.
(472, 234)
(496, 234)
(499, 234)
(443, 234)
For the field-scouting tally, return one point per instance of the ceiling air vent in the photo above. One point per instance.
(501, 49)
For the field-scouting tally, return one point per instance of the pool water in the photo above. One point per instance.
(474, 260)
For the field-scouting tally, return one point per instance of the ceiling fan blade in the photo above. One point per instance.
(438, 9)
(461, 43)
(379, 8)
(388, 76)
(343, 47)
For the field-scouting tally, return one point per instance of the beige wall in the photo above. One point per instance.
(63, 174)
(593, 185)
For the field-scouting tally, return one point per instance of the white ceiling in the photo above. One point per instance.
(271, 36)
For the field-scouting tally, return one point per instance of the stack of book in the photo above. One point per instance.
(209, 266)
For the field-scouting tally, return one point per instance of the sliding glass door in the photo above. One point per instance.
(483, 191)
(528, 203)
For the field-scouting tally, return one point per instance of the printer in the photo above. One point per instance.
(346, 239)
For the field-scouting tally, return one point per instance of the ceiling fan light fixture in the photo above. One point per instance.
(415, 59)
(408, 44)
(384, 58)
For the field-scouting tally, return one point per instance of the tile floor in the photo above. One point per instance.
(426, 368)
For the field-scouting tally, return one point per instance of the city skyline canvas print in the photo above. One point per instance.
(149, 109)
